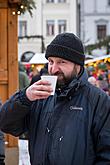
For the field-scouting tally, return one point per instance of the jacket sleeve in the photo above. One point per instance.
(101, 131)
(14, 114)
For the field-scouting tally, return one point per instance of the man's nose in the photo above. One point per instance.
(55, 68)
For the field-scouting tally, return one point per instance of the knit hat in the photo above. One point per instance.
(66, 46)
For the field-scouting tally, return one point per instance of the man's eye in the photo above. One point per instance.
(50, 62)
(62, 62)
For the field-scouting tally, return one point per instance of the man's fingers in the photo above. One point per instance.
(42, 82)
(39, 90)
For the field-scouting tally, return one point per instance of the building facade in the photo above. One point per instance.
(49, 19)
(94, 20)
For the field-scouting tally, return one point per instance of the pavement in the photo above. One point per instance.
(23, 152)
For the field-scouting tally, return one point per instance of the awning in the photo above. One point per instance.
(38, 58)
(97, 59)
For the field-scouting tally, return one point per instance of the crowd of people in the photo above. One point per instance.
(100, 76)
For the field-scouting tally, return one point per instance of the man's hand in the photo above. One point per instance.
(39, 90)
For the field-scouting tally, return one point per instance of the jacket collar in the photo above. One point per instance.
(74, 85)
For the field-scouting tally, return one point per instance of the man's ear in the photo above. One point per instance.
(78, 69)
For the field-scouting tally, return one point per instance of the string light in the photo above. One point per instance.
(104, 60)
(108, 59)
(32, 66)
(13, 13)
(22, 6)
(100, 64)
(18, 12)
(95, 64)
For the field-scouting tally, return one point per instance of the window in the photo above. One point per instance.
(50, 27)
(22, 28)
(101, 31)
(50, 1)
(61, 26)
(61, 1)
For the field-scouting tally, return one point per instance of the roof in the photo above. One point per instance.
(97, 59)
(38, 58)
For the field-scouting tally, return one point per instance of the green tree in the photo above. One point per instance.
(101, 43)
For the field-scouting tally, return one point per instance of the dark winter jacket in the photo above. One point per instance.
(70, 128)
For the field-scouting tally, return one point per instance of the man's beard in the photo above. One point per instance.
(63, 80)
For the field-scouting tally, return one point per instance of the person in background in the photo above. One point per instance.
(43, 71)
(23, 82)
(92, 80)
(23, 77)
(2, 145)
(34, 72)
(72, 127)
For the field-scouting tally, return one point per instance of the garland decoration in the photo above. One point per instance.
(105, 42)
(22, 6)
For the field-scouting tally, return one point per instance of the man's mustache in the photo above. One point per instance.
(58, 74)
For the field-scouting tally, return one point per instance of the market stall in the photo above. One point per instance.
(36, 63)
(99, 67)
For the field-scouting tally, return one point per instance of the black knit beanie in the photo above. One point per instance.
(66, 46)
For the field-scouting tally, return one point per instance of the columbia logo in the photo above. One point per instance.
(76, 108)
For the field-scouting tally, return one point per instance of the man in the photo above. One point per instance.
(73, 126)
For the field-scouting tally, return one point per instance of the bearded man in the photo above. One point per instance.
(71, 127)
